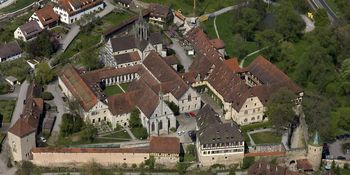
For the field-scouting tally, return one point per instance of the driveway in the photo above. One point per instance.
(187, 124)
(61, 108)
(310, 25)
(73, 32)
(184, 59)
(7, 3)
(11, 96)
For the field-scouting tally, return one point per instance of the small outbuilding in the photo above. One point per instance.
(12, 80)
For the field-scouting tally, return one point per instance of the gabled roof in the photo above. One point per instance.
(217, 43)
(171, 60)
(170, 81)
(158, 10)
(262, 167)
(127, 57)
(78, 87)
(21, 128)
(170, 145)
(30, 29)
(131, 42)
(121, 103)
(212, 130)
(10, 49)
(233, 64)
(46, 15)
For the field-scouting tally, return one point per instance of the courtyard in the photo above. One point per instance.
(116, 89)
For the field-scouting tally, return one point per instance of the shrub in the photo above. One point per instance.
(173, 129)
(247, 162)
(47, 96)
(173, 108)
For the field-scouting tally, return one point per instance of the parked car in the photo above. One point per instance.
(43, 139)
(192, 114)
(179, 133)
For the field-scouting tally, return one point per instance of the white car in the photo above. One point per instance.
(43, 139)
(180, 132)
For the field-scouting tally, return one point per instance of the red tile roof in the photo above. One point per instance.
(79, 5)
(158, 10)
(264, 168)
(217, 43)
(78, 87)
(169, 145)
(21, 128)
(233, 64)
(46, 15)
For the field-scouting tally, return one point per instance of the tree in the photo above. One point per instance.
(135, 120)
(321, 18)
(181, 167)
(90, 59)
(44, 45)
(70, 124)
(89, 133)
(47, 96)
(287, 21)
(150, 162)
(25, 168)
(44, 74)
(247, 162)
(173, 107)
(280, 108)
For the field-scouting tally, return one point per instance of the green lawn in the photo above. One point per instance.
(19, 4)
(6, 110)
(85, 41)
(18, 68)
(345, 171)
(120, 135)
(224, 26)
(203, 6)
(112, 90)
(125, 86)
(266, 137)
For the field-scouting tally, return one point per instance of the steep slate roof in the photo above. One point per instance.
(46, 15)
(78, 87)
(79, 5)
(158, 10)
(264, 168)
(212, 130)
(10, 49)
(130, 42)
(171, 60)
(169, 145)
(30, 29)
(33, 109)
(127, 57)
(170, 81)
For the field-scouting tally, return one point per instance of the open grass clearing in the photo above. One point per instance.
(18, 4)
(119, 135)
(6, 110)
(266, 137)
(112, 90)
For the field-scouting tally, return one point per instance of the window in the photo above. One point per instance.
(160, 125)
(99, 119)
(212, 158)
(246, 106)
(105, 118)
(245, 120)
(253, 118)
(189, 97)
(246, 112)
(254, 104)
(152, 127)
(258, 117)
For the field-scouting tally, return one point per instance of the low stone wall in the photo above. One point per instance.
(339, 163)
(265, 148)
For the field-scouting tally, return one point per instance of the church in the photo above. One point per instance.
(133, 48)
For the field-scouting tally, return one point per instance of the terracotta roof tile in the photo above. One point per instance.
(169, 145)
(233, 64)
(78, 87)
(79, 5)
(217, 43)
(304, 164)
(158, 10)
(46, 15)
(21, 128)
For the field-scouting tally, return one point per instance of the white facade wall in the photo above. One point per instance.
(122, 120)
(65, 90)
(98, 113)
(10, 58)
(160, 121)
(66, 18)
(19, 35)
(34, 17)
(21, 147)
(190, 101)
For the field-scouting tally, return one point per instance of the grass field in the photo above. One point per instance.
(112, 90)
(85, 41)
(232, 42)
(345, 171)
(6, 110)
(266, 137)
(335, 118)
(202, 7)
(120, 135)
(139, 133)
(18, 4)
(8, 28)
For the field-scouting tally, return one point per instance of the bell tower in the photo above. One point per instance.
(314, 152)
(141, 28)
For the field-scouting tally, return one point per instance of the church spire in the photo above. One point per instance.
(316, 140)
(141, 28)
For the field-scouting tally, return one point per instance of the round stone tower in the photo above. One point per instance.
(314, 152)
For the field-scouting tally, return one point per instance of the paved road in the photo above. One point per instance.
(310, 25)
(7, 3)
(226, 9)
(19, 105)
(184, 59)
(335, 150)
(61, 108)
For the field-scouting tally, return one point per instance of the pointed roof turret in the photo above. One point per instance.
(316, 140)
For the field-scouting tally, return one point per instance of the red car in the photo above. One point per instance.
(192, 114)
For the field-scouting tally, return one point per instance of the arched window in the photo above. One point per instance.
(189, 97)
(152, 126)
(160, 125)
